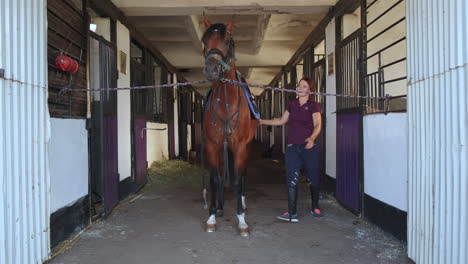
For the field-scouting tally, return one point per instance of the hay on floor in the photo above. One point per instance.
(175, 172)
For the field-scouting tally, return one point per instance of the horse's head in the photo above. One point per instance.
(218, 49)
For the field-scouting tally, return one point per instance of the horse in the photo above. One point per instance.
(228, 125)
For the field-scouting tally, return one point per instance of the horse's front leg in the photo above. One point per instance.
(238, 189)
(240, 159)
(211, 222)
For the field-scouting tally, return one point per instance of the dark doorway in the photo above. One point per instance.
(103, 127)
(138, 116)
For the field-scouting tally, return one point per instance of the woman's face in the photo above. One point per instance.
(303, 87)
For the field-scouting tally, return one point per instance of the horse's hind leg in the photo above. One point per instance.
(242, 179)
(214, 183)
(220, 204)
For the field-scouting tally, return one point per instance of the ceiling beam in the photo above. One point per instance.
(107, 8)
(249, 72)
(318, 34)
(262, 25)
(217, 10)
(192, 26)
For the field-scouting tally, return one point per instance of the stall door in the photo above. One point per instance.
(103, 130)
(348, 122)
(138, 98)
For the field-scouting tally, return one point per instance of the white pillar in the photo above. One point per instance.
(176, 116)
(437, 66)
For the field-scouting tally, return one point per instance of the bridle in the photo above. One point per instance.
(223, 60)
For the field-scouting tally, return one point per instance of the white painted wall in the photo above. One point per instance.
(176, 117)
(331, 104)
(102, 27)
(319, 49)
(189, 138)
(157, 142)
(68, 161)
(385, 158)
(351, 22)
(123, 106)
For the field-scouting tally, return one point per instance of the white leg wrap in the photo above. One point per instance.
(242, 223)
(211, 220)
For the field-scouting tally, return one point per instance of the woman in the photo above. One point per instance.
(304, 124)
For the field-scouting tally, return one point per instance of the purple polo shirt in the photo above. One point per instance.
(301, 123)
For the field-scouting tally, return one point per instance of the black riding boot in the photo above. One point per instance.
(291, 215)
(292, 201)
(315, 194)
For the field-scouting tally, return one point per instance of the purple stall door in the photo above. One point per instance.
(110, 159)
(140, 152)
(348, 155)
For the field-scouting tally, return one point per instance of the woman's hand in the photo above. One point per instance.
(310, 143)
(269, 122)
(276, 121)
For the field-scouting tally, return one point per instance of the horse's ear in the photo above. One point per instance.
(230, 25)
(206, 21)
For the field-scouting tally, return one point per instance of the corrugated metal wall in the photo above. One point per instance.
(437, 33)
(24, 132)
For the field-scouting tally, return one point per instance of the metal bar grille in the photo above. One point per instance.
(319, 79)
(348, 83)
(384, 73)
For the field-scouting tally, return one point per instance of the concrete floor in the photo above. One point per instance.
(166, 225)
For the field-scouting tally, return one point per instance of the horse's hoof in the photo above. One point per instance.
(219, 213)
(210, 228)
(244, 232)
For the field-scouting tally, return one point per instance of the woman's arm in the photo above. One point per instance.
(317, 117)
(277, 121)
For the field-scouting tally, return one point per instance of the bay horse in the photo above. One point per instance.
(228, 125)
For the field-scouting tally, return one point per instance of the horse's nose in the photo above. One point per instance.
(212, 71)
